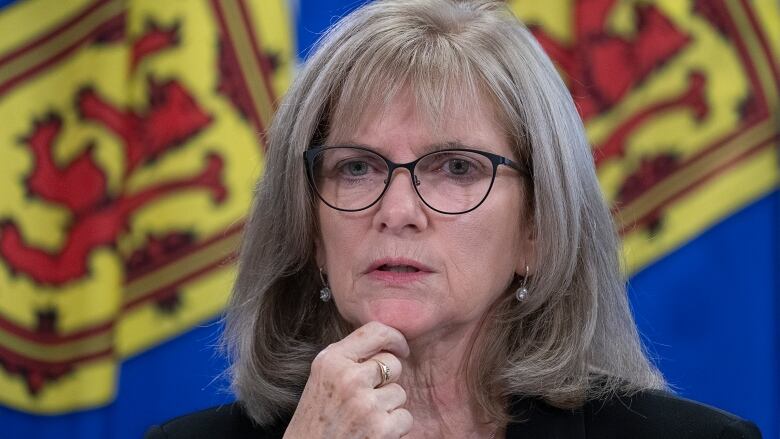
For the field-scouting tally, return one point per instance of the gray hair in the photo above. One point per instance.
(572, 339)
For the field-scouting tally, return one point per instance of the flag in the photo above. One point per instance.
(131, 140)
(680, 102)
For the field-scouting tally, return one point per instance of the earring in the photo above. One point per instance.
(325, 293)
(522, 292)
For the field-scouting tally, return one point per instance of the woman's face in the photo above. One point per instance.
(405, 265)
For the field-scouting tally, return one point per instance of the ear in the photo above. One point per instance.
(319, 252)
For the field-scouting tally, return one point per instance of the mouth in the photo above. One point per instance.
(398, 273)
(397, 265)
(398, 268)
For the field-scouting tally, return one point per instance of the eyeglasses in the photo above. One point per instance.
(449, 181)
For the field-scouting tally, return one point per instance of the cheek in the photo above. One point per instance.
(339, 243)
(333, 236)
(485, 252)
(479, 262)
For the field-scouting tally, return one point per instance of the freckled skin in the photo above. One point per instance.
(337, 400)
(472, 258)
(474, 255)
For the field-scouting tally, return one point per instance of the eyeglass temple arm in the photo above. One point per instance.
(514, 165)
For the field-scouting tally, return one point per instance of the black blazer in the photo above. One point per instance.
(650, 414)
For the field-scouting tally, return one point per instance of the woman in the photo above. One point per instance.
(429, 253)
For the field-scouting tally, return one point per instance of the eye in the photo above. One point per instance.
(358, 167)
(463, 167)
(458, 166)
(355, 168)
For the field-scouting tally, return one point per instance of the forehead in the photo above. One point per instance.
(402, 123)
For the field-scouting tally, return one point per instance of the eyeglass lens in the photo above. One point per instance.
(449, 181)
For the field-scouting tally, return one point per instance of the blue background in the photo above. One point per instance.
(708, 313)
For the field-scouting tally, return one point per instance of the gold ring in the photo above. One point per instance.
(384, 372)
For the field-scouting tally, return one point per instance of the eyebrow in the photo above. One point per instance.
(426, 149)
(452, 144)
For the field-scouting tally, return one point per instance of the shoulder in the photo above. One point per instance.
(648, 414)
(217, 422)
(661, 414)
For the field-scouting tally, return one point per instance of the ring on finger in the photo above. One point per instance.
(384, 372)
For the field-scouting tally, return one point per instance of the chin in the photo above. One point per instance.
(410, 317)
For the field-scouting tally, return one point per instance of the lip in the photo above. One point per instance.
(395, 277)
(398, 261)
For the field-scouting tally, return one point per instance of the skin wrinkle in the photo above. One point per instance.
(275, 323)
(468, 254)
(446, 390)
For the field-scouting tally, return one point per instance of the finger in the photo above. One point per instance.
(399, 422)
(390, 397)
(391, 362)
(372, 338)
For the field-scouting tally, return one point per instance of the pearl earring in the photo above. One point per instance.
(325, 293)
(522, 292)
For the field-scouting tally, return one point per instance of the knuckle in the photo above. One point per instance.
(319, 365)
(325, 358)
(405, 418)
(351, 378)
(385, 331)
(402, 394)
(387, 426)
(318, 361)
(398, 367)
(323, 355)
(370, 400)
(360, 405)
(378, 328)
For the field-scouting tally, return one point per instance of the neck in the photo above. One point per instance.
(437, 393)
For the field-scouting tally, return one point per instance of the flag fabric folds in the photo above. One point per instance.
(130, 143)
(680, 103)
(132, 135)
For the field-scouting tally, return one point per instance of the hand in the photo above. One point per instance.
(343, 397)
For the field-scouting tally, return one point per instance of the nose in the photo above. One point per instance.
(401, 210)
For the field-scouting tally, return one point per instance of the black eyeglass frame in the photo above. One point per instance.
(310, 154)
